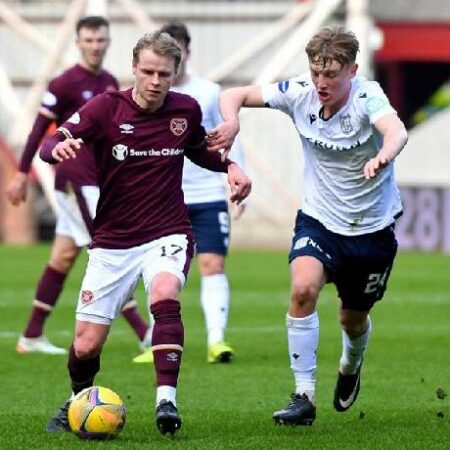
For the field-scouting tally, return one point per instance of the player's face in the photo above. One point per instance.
(154, 75)
(181, 72)
(93, 43)
(332, 82)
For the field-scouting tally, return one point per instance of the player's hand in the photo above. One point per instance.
(374, 166)
(222, 137)
(237, 210)
(240, 183)
(16, 191)
(66, 149)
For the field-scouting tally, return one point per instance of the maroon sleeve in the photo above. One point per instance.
(90, 120)
(57, 98)
(40, 126)
(48, 146)
(208, 160)
(196, 149)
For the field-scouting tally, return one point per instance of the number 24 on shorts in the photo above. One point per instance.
(376, 281)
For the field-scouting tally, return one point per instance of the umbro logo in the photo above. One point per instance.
(312, 118)
(295, 356)
(126, 128)
(302, 83)
(172, 357)
(363, 95)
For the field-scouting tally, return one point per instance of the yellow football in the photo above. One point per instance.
(97, 413)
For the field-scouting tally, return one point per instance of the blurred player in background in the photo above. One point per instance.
(344, 233)
(142, 228)
(205, 195)
(76, 182)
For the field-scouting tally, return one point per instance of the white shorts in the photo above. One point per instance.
(70, 221)
(112, 275)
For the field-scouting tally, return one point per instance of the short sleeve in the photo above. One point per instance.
(371, 101)
(283, 95)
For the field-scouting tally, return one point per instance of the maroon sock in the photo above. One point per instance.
(167, 341)
(134, 319)
(82, 371)
(47, 293)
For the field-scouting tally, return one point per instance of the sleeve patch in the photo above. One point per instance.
(74, 118)
(375, 104)
(283, 86)
(49, 99)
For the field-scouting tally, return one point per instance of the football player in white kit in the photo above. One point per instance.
(344, 233)
(205, 195)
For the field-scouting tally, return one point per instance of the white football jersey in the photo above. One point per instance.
(201, 185)
(335, 191)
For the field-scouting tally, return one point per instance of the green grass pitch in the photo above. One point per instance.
(230, 406)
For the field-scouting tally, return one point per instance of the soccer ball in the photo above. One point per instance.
(97, 413)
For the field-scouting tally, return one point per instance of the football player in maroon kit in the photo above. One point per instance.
(140, 137)
(76, 186)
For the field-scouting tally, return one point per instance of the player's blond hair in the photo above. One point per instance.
(332, 44)
(160, 43)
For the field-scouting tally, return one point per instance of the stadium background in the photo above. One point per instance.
(404, 46)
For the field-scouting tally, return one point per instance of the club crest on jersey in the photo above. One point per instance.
(178, 126)
(120, 152)
(87, 297)
(346, 124)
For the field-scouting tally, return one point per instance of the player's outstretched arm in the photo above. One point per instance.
(16, 192)
(240, 183)
(231, 101)
(395, 138)
(55, 150)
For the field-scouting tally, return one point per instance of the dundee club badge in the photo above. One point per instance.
(346, 124)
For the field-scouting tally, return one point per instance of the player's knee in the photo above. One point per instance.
(165, 286)
(63, 260)
(304, 293)
(353, 328)
(86, 348)
(211, 264)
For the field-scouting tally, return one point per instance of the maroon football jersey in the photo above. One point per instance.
(65, 95)
(139, 157)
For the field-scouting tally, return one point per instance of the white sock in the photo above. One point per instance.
(303, 339)
(215, 299)
(166, 393)
(353, 350)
